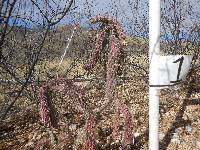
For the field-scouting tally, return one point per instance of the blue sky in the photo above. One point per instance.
(125, 11)
(133, 14)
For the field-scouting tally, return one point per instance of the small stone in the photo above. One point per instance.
(177, 141)
(175, 138)
(97, 141)
(73, 127)
(175, 135)
(189, 129)
(161, 136)
(29, 144)
(137, 134)
(5, 134)
(108, 139)
(133, 141)
(198, 144)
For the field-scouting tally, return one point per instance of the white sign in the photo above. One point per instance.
(168, 70)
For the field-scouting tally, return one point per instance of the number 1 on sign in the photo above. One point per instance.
(179, 69)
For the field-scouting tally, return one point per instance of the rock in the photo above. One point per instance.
(177, 141)
(197, 144)
(137, 134)
(73, 127)
(189, 129)
(133, 141)
(176, 138)
(29, 145)
(161, 136)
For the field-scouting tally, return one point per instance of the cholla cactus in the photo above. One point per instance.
(112, 66)
(90, 133)
(111, 38)
(128, 127)
(44, 107)
(110, 23)
(111, 31)
(116, 119)
(67, 88)
(95, 55)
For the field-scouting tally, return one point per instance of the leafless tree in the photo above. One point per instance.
(178, 25)
(25, 26)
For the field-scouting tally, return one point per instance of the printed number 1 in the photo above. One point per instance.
(179, 69)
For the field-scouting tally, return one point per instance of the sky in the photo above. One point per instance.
(125, 11)
(132, 14)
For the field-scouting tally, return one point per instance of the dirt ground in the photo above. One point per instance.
(179, 122)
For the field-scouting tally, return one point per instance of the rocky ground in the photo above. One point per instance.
(179, 123)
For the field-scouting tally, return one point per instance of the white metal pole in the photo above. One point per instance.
(154, 94)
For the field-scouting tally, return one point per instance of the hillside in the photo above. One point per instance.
(23, 128)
